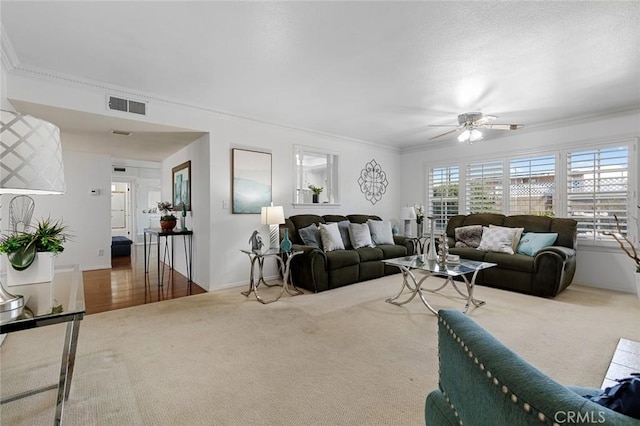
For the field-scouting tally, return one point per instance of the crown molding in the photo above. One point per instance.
(56, 77)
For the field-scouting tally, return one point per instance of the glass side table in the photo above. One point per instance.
(283, 266)
(68, 291)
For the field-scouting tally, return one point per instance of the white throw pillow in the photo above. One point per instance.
(516, 238)
(497, 239)
(330, 236)
(360, 235)
(381, 232)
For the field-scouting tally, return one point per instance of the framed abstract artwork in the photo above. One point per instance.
(181, 186)
(251, 181)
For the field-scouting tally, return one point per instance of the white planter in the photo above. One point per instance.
(40, 271)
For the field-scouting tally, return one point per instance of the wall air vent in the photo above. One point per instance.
(137, 107)
(119, 169)
(126, 105)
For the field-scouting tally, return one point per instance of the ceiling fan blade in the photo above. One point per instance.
(443, 134)
(485, 119)
(502, 126)
(443, 125)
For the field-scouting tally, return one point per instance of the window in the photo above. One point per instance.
(318, 168)
(532, 185)
(444, 185)
(484, 184)
(591, 184)
(597, 189)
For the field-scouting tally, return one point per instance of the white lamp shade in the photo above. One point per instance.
(30, 155)
(272, 215)
(408, 213)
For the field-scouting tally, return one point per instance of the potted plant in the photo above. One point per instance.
(168, 220)
(316, 192)
(23, 248)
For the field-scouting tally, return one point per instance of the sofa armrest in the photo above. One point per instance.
(405, 241)
(309, 270)
(486, 383)
(554, 268)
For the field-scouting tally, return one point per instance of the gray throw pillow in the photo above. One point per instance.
(468, 236)
(360, 235)
(310, 235)
(343, 227)
(380, 232)
(330, 236)
(497, 239)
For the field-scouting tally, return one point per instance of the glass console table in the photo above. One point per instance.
(68, 291)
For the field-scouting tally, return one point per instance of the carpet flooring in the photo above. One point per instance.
(343, 357)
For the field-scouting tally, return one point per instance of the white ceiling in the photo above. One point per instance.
(380, 72)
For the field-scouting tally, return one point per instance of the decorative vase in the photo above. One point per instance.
(168, 225)
(637, 275)
(316, 198)
(395, 230)
(285, 245)
(419, 229)
(183, 225)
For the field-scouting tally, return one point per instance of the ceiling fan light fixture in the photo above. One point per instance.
(464, 136)
(476, 135)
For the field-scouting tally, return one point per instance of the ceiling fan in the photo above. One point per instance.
(471, 122)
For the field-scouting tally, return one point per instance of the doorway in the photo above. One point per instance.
(121, 218)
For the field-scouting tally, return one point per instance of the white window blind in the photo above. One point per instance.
(484, 187)
(444, 183)
(597, 189)
(532, 185)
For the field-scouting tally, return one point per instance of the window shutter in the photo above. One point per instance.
(532, 185)
(484, 185)
(597, 190)
(444, 183)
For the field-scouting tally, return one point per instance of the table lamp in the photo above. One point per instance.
(273, 216)
(407, 214)
(31, 158)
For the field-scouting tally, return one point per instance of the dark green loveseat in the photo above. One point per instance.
(318, 271)
(546, 274)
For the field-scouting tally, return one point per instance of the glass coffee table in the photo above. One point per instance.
(409, 264)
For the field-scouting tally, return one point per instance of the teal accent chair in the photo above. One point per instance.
(483, 383)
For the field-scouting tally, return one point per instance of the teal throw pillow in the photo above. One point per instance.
(533, 242)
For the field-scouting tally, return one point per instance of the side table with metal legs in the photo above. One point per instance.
(283, 266)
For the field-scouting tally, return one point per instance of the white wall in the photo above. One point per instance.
(228, 233)
(604, 268)
(88, 217)
(198, 219)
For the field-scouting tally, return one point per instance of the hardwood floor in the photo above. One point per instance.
(127, 285)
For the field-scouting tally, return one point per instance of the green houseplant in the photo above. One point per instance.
(168, 220)
(316, 192)
(21, 247)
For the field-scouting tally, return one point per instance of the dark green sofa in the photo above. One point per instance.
(482, 382)
(546, 274)
(318, 271)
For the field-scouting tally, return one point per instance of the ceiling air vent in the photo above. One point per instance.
(119, 169)
(126, 105)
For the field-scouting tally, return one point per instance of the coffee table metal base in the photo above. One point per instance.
(414, 286)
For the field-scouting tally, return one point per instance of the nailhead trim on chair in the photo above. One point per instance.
(542, 418)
